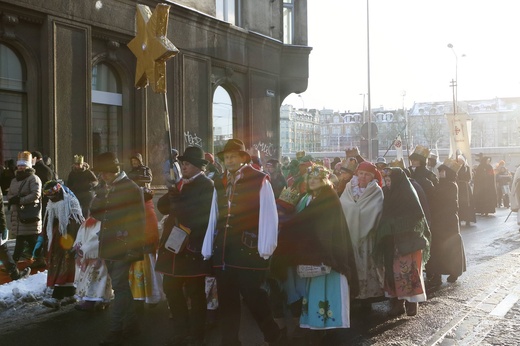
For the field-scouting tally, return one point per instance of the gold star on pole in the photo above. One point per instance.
(151, 47)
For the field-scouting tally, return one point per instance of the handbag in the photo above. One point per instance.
(177, 239)
(310, 271)
(29, 213)
(409, 242)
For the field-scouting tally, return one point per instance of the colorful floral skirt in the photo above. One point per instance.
(92, 280)
(326, 304)
(145, 283)
(406, 279)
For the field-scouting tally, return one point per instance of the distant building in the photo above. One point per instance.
(299, 130)
(495, 127)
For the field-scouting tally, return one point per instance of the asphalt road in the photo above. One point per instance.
(456, 314)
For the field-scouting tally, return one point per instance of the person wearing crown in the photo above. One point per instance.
(82, 181)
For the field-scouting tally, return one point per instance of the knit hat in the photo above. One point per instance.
(371, 168)
(78, 159)
(24, 159)
(381, 162)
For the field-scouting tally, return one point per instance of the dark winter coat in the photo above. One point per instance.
(141, 175)
(318, 234)
(447, 248)
(30, 192)
(466, 208)
(427, 179)
(191, 208)
(485, 193)
(43, 172)
(120, 208)
(82, 183)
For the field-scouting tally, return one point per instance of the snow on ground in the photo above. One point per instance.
(19, 292)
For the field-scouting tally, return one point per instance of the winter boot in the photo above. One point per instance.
(397, 307)
(17, 275)
(411, 308)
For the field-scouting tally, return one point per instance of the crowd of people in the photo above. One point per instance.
(303, 240)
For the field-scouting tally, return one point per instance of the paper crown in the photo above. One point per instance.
(24, 159)
(352, 152)
(349, 166)
(79, 159)
(452, 164)
(300, 154)
(397, 163)
(420, 153)
(289, 195)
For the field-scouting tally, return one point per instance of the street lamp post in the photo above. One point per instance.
(368, 85)
(455, 83)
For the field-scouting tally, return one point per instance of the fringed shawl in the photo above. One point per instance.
(64, 210)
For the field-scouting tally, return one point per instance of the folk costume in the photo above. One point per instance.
(447, 247)
(318, 234)
(190, 208)
(63, 218)
(240, 239)
(402, 242)
(362, 208)
(93, 285)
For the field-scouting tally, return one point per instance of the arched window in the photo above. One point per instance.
(13, 103)
(222, 118)
(107, 101)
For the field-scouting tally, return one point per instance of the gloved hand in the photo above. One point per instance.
(15, 200)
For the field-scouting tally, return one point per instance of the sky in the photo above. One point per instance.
(409, 52)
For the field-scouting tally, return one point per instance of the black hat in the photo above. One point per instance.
(234, 145)
(195, 156)
(107, 162)
(37, 154)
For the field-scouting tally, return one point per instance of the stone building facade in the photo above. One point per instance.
(67, 76)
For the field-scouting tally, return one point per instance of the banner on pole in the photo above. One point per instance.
(459, 125)
(398, 145)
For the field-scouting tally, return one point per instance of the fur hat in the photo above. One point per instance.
(235, 145)
(420, 153)
(195, 156)
(451, 165)
(79, 159)
(107, 162)
(24, 159)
